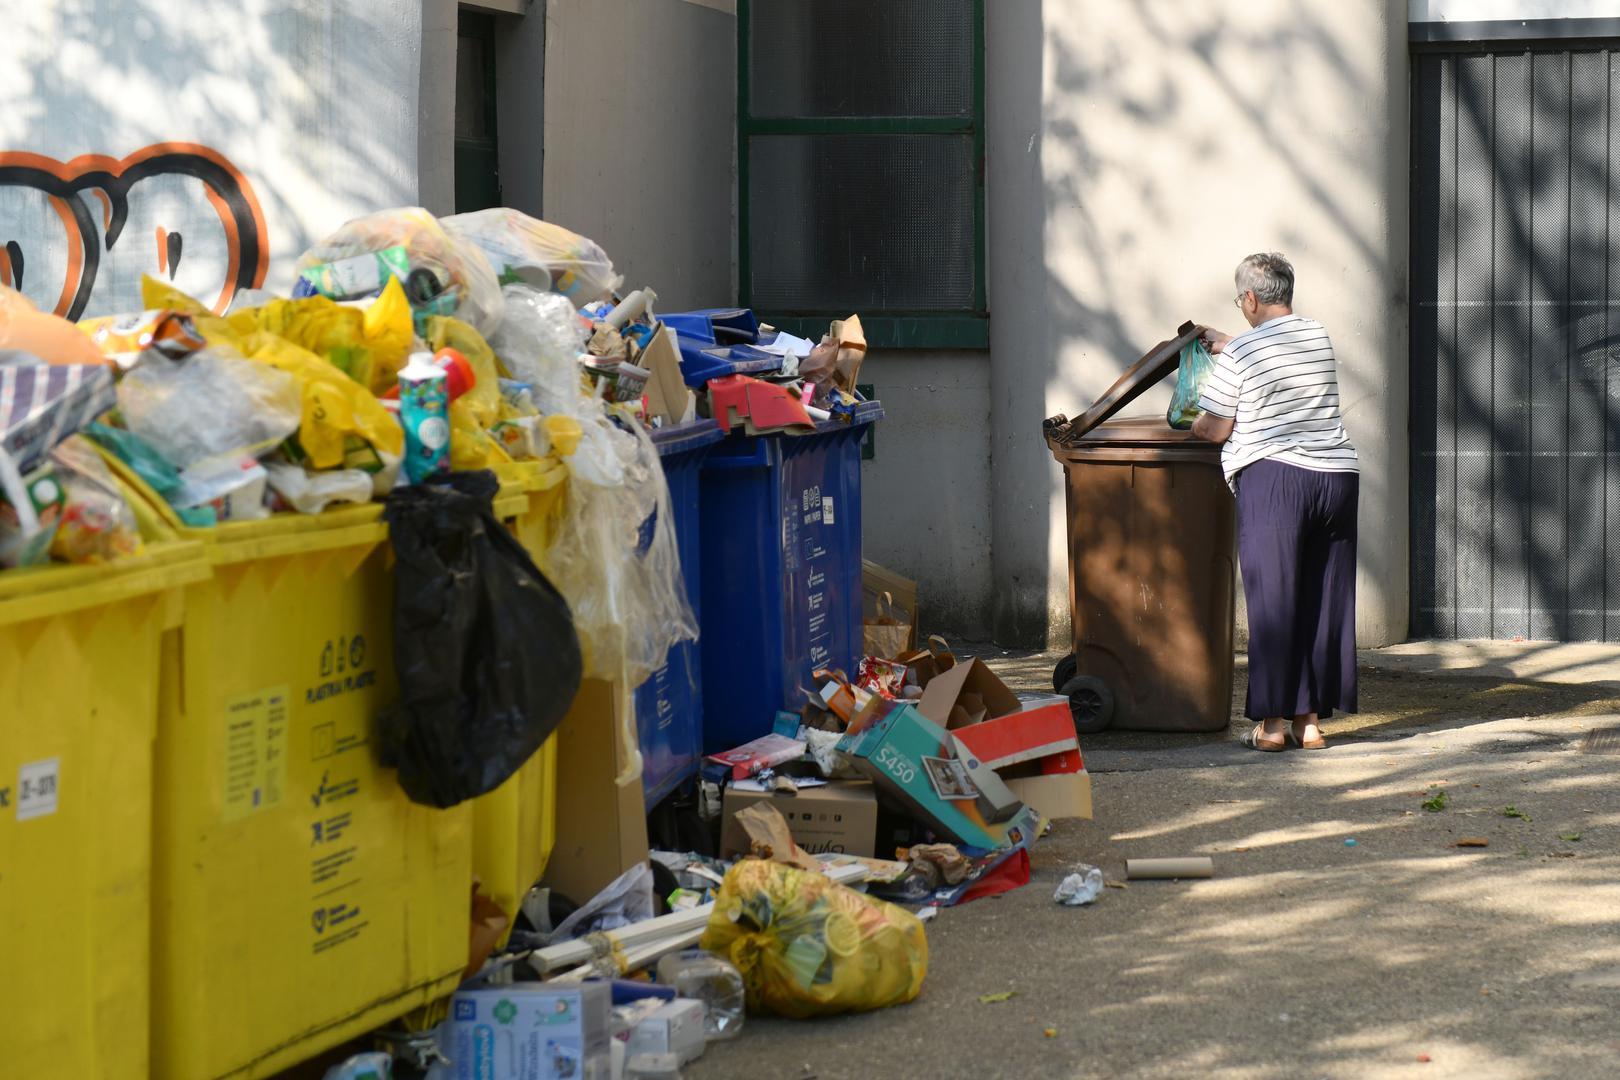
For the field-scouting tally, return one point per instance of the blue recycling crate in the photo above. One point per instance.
(781, 572)
(669, 705)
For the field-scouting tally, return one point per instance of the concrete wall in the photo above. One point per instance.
(1138, 149)
(640, 122)
(301, 115)
(925, 495)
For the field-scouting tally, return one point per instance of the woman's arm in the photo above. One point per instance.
(1211, 428)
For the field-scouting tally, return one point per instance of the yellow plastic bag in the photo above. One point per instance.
(335, 407)
(474, 414)
(809, 947)
(369, 346)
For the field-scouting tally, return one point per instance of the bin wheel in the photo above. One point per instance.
(1091, 702)
(1065, 670)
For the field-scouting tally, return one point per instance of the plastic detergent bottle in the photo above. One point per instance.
(424, 413)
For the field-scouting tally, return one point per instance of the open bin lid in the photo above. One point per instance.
(1154, 365)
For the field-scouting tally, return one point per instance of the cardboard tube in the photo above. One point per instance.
(1199, 866)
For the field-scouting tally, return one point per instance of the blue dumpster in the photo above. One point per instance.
(669, 705)
(781, 572)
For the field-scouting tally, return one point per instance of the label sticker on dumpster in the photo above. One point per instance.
(255, 751)
(37, 784)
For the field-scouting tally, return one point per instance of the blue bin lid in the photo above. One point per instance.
(704, 325)
(684, 438)
(867, 412)
(700, 363)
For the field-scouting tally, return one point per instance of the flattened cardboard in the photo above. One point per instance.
(601, 824)
(839, 818)
(1067, 795)
(667, 393)
(920, 765)
(968, 693)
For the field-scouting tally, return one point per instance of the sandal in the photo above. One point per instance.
(1252, 740)
(1317, 743)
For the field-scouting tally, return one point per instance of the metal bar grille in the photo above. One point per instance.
(1515, 364)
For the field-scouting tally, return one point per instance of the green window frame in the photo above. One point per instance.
(957, 329)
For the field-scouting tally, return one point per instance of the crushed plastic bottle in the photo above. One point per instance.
(695, 973)
(1081, 887)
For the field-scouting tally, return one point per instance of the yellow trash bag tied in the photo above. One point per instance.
(474, 414)
(335, 408)
(369, 346)
(807, 946)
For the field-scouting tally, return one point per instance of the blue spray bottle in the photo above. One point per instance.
(424, 413)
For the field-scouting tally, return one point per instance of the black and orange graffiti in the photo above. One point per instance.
(109, 180)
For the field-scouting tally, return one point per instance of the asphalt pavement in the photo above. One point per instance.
(1345, 933)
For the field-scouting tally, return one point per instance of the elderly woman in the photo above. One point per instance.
(1272, 403)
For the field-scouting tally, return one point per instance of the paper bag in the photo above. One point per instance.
(886, 634)
(930, 662)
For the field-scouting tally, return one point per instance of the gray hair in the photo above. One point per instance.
(1269, 276)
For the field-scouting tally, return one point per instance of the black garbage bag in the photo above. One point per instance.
(485, 646)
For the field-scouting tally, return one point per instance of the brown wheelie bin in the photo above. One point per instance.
(1150, 564)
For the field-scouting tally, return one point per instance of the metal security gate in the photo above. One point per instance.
(1515, 340)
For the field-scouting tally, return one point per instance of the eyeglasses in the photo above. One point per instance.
(1237, 301)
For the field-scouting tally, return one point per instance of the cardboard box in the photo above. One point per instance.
(967, 693)
(836, 818)
(1027, 735)
(675, 1027)
(1064, 795)
(601, 824)
(922, 766)
(527, 1032)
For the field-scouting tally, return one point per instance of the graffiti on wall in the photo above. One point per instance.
(75, 236)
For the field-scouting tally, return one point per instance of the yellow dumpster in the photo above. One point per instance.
(515, 826)
(300, 899)
(79, 660)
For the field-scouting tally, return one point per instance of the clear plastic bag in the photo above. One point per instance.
(539, 342)
(1196, 364)
(809, 947)
(442, 274)
(538, 253)
(209, 405)
(97, 525)
(614, 555)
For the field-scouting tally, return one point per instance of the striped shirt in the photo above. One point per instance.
(1279, 384)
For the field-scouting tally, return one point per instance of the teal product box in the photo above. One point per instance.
(936, 778)
(527, 1031)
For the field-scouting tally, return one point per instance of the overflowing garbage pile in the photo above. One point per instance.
(917, 785)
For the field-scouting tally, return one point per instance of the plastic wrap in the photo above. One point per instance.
(615, 557)
(538, 253)
(809, 947)
(311, 492)
(208, 405)
(97, 525)
(1196, 365)
(539, 343)
(442, 275)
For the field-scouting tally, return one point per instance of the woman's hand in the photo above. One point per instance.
(1215, 340)
(1215, 429)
